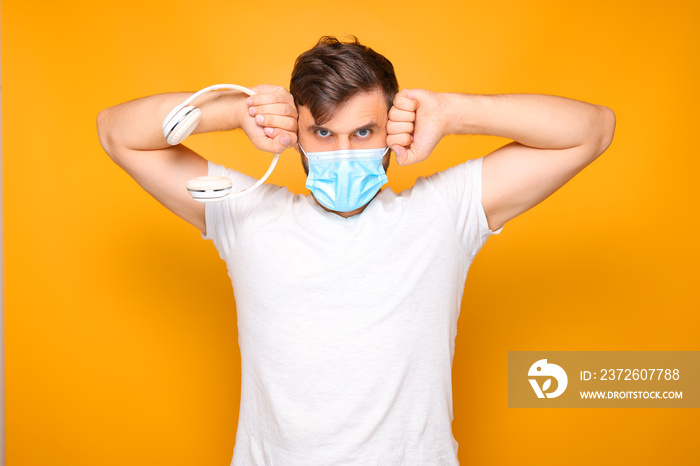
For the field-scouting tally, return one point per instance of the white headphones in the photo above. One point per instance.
(180, 123)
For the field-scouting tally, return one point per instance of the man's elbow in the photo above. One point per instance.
(104, 131)
(605, 123)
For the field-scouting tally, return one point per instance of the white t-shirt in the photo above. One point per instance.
(347, 326)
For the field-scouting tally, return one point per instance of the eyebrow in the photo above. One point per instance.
(373, 125)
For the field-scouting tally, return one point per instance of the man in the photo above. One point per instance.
(348, 298)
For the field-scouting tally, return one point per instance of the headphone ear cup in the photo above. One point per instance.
(179, 126)
(208, 188)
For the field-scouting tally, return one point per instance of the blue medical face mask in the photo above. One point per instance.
(345, 180)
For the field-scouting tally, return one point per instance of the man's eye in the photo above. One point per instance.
(363, 133)
(324, 133)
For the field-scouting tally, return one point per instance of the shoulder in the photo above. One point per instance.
(233, 212)
(453, 184)
(469, 171)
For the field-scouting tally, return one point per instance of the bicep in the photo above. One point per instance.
(163, 173)
(516, 178)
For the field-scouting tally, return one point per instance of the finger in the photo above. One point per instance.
(397, 127)
(277, 121)
(403, 139)
(280, 143)
(410, 157)
(399, 153)
(286, 139)
(275, 145)
(280, 95)
(402, 101)
(276, 109)
(274, 133)
(405, 156)
(402, 154)
(396, 114)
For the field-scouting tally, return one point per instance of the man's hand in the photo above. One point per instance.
(271, 119)
(415, 125)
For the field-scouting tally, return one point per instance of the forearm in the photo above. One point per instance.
(540, 121)
(136, 125)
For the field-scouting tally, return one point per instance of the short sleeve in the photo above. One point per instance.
(225, 219)
(461, 189)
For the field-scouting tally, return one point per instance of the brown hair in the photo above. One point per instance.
(332, 72)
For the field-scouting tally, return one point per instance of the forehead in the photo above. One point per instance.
(357, 111)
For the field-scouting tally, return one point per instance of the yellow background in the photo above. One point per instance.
(121, 344)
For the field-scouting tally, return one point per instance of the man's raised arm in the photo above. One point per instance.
(131, 134)
(553, 139)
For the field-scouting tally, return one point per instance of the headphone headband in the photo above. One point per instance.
(180, 123)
